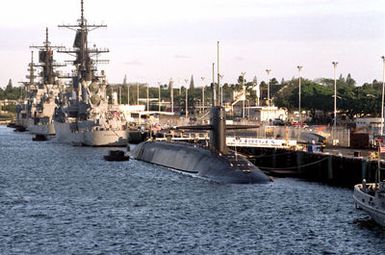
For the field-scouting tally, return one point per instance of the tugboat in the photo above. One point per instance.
(116, 155)
(85, 117)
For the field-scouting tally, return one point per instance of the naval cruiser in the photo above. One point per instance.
(40, 121)
(83, 115)
(23, 109)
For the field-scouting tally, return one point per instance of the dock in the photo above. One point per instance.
(340, 167)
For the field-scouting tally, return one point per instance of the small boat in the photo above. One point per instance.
(20, 129)
(370, 197)
(11, 125)
(116, 155)
(39, 138)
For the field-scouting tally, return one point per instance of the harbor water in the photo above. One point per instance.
(60, 199)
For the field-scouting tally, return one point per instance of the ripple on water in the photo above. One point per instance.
(59, 199)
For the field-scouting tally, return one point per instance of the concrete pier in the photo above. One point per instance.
(336, 169)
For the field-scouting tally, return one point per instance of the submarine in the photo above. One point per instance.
(215, 162)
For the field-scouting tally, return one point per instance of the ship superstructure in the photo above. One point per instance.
(45, 91)
(84, 116)
(24, 108)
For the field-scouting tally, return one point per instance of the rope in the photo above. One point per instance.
(294, 167)
(268, 156)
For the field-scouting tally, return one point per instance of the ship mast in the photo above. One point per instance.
(46, 60)
(31, 76)
(85, 65)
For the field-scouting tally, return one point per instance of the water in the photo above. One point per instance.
(59, 199)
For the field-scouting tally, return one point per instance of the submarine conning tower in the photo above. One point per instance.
(218, 130)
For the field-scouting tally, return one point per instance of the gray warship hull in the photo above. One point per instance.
(95, 137)
(46, 129)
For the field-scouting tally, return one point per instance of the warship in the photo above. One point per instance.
(37, 108)
(83, 116)
(40, 122)
(23, 109)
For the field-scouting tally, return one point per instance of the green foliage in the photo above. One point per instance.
(318, 95)
(10, 92)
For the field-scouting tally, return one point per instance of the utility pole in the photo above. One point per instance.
(186, 110)
(171, 87)
(299, 93)
(203, 94)
(213, 97)
(219, 77)
(160, 84)
(268, 86)
(244, 94)
(335, 94)
(382, 101)
(148, 97)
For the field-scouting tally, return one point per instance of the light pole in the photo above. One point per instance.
(128, 94)
(335, 94)
(148, 95)
(186, 111)
(219, 78)
(244, 94)
(120, 94)
(137, 93)
(203, 94)
(171, 87)
(160, 84)
(382, 101)
(299, 93)
(268, 86)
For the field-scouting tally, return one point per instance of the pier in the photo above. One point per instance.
(343, 168)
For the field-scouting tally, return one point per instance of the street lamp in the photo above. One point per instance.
(335, 94)
(171, 87)
(219, 78)
(186, 112)
(299, 93)
(160, 84)
(244, 94)
(128, 94)
(148, 95)
(268, 86)
(203, 94)
(137, 93)
(382, 101)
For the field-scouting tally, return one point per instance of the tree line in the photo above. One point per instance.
(316, 95)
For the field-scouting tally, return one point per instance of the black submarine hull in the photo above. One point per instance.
(229, 168)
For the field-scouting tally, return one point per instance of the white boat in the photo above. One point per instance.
(371, 198)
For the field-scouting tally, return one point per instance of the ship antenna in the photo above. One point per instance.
(31, 74)
(46, 38)
(214, 96)
(220, 92)
(82, 12)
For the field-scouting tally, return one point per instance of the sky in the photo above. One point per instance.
(152, 41)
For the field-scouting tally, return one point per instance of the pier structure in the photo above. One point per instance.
(340, 167)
